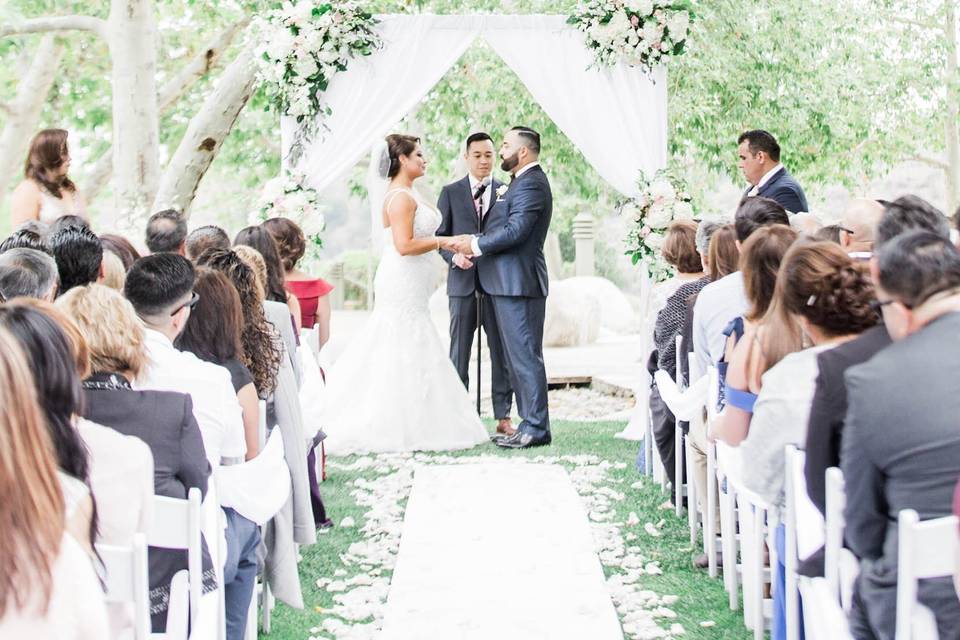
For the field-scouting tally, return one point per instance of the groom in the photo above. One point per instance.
(515, 277)
(465, 206)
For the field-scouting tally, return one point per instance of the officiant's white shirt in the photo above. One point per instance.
(764, 180)
(474, 244)
(487, 193)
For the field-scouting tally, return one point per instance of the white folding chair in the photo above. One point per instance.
(127, 581)
(311, 337)
(804, 533)
(756, 523)
(176, 525)
(823, 619)
(925, 550)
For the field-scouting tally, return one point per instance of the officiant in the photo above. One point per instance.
(465, 204)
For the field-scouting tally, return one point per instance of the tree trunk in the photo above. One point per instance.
(25, 110)
(205, 133)
(952, 108)
(136, 141)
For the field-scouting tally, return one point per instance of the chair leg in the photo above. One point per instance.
(728, 540)
(693, 499)
(710, 518)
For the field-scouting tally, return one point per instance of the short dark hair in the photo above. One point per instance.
(206, 237)
(755, 212)
(120, 247)
(907, 213)
(760, 140)
(917, 265)
(479, 136)
(78, 253)
(166, 231)
(156, 284)
(67, 221)
(531, 139)
(25, 239)
(26, 272)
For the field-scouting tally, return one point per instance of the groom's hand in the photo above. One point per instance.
(461, 244)
(462, 261)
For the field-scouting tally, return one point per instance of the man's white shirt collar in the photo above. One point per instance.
(766, 178)
(525, 169)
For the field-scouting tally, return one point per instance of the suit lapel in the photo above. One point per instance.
(494, 185)
(773, 179)
(466, 196)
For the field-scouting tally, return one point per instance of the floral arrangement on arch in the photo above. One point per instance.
(662, 200)
(641, 33)
(287, 196)
(303, 44)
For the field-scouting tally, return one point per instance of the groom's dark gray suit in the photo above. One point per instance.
(515, 277)
(460, 216)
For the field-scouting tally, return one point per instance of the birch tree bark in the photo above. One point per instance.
(205, 134)
(24, 111)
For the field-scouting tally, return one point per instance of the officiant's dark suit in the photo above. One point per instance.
(514, 274)
(464, 212)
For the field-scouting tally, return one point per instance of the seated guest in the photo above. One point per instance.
(203, 238)
(760, 163)
(901, 445)
(163, 420)
(745, 361)
(79, 256)
(28, 273)
(311, 293)
(261, 240)
(822, 290)
(25, 239)
(60, 397)
(121, 247)
(805, 224)
(114, 275)
(48, 588)
(829, 233)
(680, 251)
(858, 226)
(166, 232)
(46, 193)
(214, 335)
(825, 431)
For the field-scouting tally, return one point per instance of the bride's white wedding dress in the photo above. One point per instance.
(394, 388)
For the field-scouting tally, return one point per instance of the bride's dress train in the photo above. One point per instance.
(394, 388)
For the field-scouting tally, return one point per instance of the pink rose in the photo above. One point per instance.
(635, 21)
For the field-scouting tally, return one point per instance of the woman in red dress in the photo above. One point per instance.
(310, 292)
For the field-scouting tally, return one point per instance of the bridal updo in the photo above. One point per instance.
(399, 145)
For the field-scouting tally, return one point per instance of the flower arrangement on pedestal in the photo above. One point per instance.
(641, 33)
(287, 196)
(662, 200)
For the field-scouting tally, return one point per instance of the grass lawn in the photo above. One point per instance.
(701, 598)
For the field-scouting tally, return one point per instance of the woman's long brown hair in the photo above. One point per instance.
(31, 511)
(48, 152)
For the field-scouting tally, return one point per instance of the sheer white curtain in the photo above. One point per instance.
(378, 91)
(615, 116)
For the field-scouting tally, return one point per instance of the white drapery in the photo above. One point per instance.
(616, 117)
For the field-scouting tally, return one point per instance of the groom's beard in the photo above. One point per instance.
(509, 164)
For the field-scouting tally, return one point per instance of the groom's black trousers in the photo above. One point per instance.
(463, 326)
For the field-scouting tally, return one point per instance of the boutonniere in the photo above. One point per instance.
(501, 191)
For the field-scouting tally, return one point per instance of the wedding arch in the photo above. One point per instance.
(616, 116)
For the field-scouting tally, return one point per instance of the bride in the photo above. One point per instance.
(394, 388)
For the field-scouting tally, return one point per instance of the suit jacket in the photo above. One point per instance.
(783, 188)
(513, 237)
(825, 429)
(901, 449)
(460, 217)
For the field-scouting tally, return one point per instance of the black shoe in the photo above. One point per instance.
(523, 441)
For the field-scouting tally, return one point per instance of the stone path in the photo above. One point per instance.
(458, 574)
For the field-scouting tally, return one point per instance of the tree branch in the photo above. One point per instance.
(913, 23)
(927, 160)
(55, 23)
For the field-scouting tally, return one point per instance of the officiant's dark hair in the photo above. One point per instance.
(477, 137)
(531, 139)
(760, 140)
(399, 145)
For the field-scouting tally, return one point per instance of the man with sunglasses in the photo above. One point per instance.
(858, 227)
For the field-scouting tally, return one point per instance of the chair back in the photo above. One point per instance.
(676, 362)
(836, 501)
(823, 619)
(262, 423)
(176, 525)
(311, 337)
(713, 393)
(926, 550)
(127, 581)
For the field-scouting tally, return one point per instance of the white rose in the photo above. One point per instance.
(678, 24)
(654, 240)
(645, 7)
(651, 31)
(661, 190)
(305, 66)
(659, 217)
(683, 211)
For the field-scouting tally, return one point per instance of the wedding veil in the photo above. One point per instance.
(377, 184)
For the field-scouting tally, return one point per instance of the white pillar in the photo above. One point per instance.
(583, 235)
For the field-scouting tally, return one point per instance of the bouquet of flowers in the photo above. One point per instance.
(303, 44)
(661, 201)
(286, 196)
(642, 33)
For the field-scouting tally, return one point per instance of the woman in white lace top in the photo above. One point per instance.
(46, 193)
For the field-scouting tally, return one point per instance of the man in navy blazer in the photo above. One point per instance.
(760, 163)
(515, 277)
(466, 205)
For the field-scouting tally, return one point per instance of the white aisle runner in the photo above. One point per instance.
(497, 551)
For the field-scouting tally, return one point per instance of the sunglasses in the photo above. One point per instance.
(846, 230)
(189, 304)
(878, 305)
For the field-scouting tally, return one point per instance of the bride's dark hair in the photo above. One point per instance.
(399, 145)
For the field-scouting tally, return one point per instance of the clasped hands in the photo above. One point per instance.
(462, 248)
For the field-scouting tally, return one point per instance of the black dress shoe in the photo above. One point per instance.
(523, 441)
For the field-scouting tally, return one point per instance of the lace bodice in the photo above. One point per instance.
(426, 219)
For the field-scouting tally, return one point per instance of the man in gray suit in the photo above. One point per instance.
(466, 206)
(516, 279)
(901, 440)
